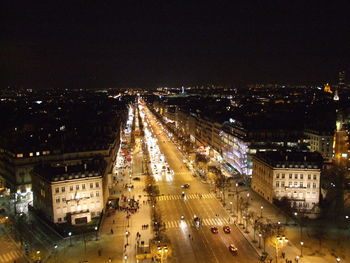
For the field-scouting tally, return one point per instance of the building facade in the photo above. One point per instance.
(293, 175)
(72, 194)
(322, 142)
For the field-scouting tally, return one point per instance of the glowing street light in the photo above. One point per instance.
(70, 238)
(127, 233)
(279, 243)
(301, 248)
(261, 211)
(96, 229)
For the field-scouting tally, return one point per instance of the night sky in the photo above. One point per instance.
(46, 44)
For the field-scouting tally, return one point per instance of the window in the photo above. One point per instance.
(314, 185)
(283, 176)
(282, 184)
(301, 176)
(315, 176)
(59, 219)
(308, 185)
(63, 189)
(301, 184)
(290, 176)
(58, 200)
(91, 185)
(57, 190)
(309, 176)
(71, 188)
(63, 199)
(83, 186)
(97, 184)
(277, 176)
(295, 184)
(77, 187)
(290, 184)
(97, 194)
(31, 154)
(296, 176)
(92, 194)
(277, 184)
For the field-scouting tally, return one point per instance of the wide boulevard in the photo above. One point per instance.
(191, 244)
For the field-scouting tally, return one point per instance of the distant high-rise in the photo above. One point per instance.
(341, 80)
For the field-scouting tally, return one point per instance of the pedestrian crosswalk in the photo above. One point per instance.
(205, 222)
(10, 256)
(188, 196)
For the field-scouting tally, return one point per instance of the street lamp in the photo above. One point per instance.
(70, 238)
(301, 248)
(280, 242)
(261, 211)
(260, 240)
(125, 258)
(38, 254)
(127, 233)
(96, 229)
(297, 259)
(338, 259)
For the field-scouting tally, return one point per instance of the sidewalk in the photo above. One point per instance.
(290, 249)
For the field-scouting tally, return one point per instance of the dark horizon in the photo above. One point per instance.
(172, 44)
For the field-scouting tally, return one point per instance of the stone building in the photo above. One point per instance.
(295, 175)
(69, 193)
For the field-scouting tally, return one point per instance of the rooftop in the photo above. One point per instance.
(299, 160)
(61, 172)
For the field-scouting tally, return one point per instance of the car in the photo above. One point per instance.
(185, 186)
(233, 249)
(227, 229)
(136, 178)
(214, 230)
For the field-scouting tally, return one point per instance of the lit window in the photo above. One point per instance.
(97, 194)
(31, 154)
(37, 153)
(19, 155)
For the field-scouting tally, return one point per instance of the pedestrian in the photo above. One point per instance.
(283, 255)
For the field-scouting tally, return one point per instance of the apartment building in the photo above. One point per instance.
(322, 142)
(295, 175)
(69, 193)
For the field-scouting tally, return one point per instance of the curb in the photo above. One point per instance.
(242, 233)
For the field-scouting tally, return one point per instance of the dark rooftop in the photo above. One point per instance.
(278, 159)
(60, 172)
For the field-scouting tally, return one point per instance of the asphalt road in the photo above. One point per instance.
(205, 246)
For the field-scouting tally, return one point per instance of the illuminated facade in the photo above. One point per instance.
(71, 194)
(294, 175)
(321, 142)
